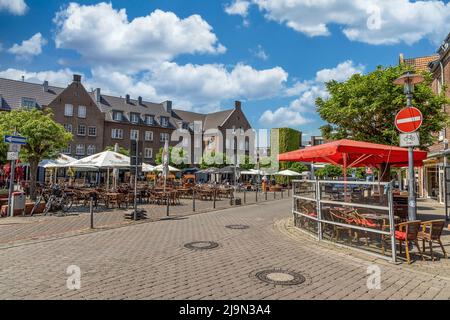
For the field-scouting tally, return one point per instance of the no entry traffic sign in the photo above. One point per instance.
(409, 120)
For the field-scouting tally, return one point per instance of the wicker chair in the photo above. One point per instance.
(431, 232)
(407, 232)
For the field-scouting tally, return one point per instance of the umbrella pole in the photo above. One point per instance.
(107, 179)
(345, 177)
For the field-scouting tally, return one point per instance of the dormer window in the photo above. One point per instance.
(164, 121)
(149, 120)
(185, 125)
(28, 103)
(117, 116)
(134, 117)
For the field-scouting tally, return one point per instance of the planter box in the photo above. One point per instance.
(29, 207)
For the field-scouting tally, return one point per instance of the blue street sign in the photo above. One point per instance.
(15, 140)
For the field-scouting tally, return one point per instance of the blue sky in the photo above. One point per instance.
(205, 54)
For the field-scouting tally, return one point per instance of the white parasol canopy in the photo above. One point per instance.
(160, 168)
(102, 160)
(147, 167)
(59, 162)
(288, 173)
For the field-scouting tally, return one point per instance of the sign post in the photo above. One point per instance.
(13, 155)
(408, 121)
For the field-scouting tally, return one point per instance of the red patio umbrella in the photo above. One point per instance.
(351, 154)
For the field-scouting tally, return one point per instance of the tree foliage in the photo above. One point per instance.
(364, 108)
(329, 171)
(178, 157)
(45, 137)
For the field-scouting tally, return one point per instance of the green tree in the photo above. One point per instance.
(329, 171)
(245, 163)
(45, 137)
(364, 108)
(214, 160)
(296, 166)
(122, 150)
(178, 157)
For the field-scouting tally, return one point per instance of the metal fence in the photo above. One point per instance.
(358, 215)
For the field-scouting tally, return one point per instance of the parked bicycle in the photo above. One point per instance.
(56, 200)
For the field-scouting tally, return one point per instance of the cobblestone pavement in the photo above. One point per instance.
(22, 229)
(149, 261)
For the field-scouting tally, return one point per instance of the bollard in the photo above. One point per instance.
(265, 195)
(256, 195)
(214, 198)
(282, 193)
(245, 196)
(91, 211)
(168, 204)
(193, 200)
(274, 195)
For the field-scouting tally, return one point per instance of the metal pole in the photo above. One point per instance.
(135, 181)
(412, 208)
(214, 199)
(11, 188)
(168, 203)
(91, 211)
(319, 212)
(392, 223)
(245, 195)
(445, 179)
(193, 199)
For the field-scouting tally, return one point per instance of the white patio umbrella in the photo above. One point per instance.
(103, 160)
(147, 167)
(54, 164)
(288, 173)
(160, 168)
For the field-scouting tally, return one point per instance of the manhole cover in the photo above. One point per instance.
(202, 245)
(237, 227)
(280, 277)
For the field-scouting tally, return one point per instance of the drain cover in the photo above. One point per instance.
(280, 277)
(237, 227)
(202, 245)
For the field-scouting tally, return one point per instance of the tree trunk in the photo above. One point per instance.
(33, 178)
(385, 172)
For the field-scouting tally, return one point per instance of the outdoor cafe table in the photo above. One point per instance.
(112, 196)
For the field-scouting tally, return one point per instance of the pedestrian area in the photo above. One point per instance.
(239, 253)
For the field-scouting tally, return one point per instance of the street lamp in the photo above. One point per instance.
(408, 80)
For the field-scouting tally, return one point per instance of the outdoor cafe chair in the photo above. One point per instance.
(407, 232)
(431, 231)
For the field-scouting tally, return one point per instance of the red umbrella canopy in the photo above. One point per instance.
(350, 153)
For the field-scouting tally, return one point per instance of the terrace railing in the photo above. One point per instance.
(359, 215)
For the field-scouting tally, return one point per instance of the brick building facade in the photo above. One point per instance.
(98, 121)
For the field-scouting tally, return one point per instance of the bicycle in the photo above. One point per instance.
(58, 200)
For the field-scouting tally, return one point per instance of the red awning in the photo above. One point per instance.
(350, 153)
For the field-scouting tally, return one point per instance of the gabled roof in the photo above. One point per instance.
(420, 64)
(12, 92)
(209, 121)
(108, 104)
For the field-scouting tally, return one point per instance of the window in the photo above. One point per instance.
(164, 121)
(148, 154)
(81, 130)
(91, 149)
(92, 131)
(135, 117)
(68, 150)
(117, 133)
(81, 112)
(149, 120)
(117, 116)
(28, 103)
(164, 137)
(68, 110)
(185, 125)
(80, 150)
(68, 127)
(148, 135)
(134, 134)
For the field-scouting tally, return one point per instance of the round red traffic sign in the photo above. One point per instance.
(409, 120)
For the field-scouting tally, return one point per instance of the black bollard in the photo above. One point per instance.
(91, 211)
(193, 200)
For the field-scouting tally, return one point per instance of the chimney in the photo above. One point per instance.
(127, 98)
(45, 86)
(140, 101)
(167, 106)
(98, 95)
(77, 78)
(237, 105)
(23, 78)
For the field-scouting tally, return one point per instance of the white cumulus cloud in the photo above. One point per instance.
(104, 35)
(238, 7)
(370, 21)
(301, 110)
(60, 78)
(16, 7)
(29, 48)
